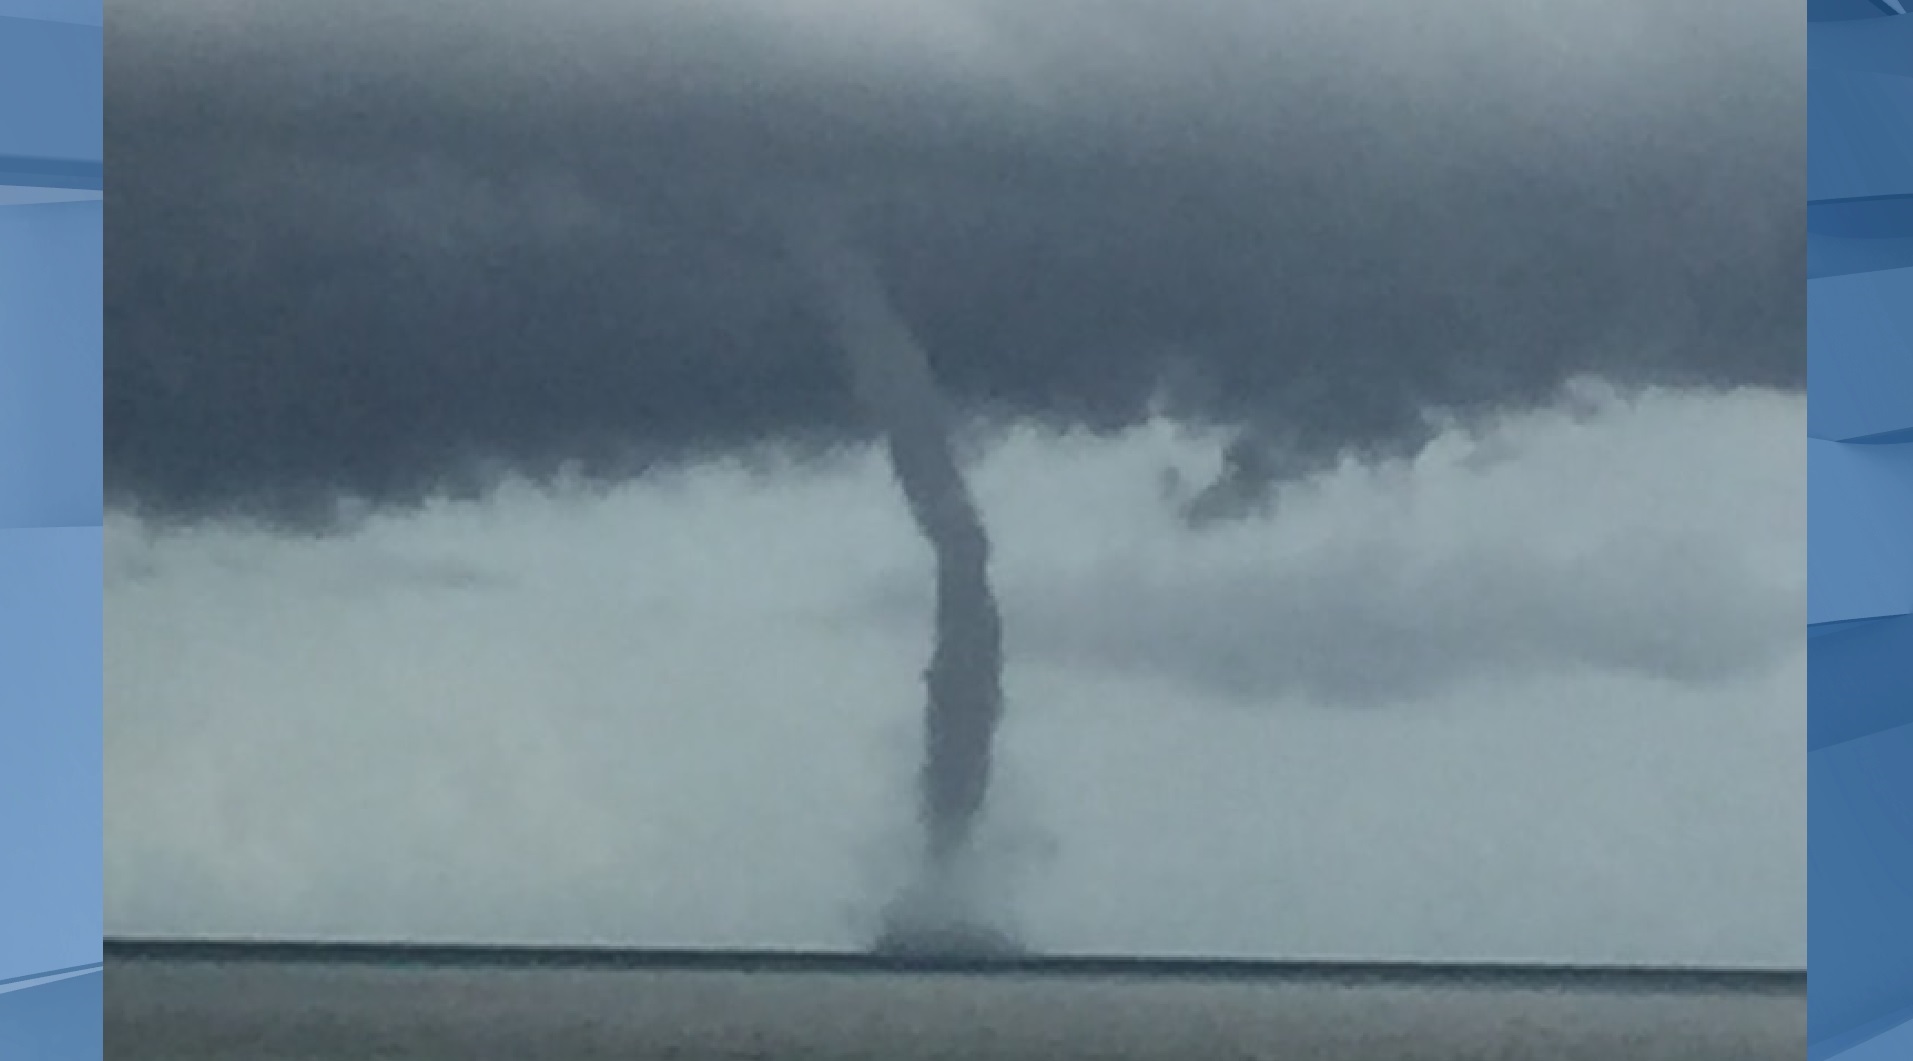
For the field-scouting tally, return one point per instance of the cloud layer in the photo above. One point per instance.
(389, 250)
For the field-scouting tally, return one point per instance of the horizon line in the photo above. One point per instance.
(602, 957)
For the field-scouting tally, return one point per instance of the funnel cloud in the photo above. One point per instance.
(892, 377)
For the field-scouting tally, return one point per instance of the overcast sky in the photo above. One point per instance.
(493, 554)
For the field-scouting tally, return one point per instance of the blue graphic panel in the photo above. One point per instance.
(50, 96)
(53, 1020)
(50, 365)
(1859, 505)
(50, 536)
(50, 748)
(1860, 460)
(1860, 353)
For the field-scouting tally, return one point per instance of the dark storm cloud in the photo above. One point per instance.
(389, 250)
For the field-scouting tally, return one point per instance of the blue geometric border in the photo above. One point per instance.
(1860, 556)
(51, 176)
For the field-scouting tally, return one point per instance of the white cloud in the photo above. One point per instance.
(670, 713)
(1633, 539)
